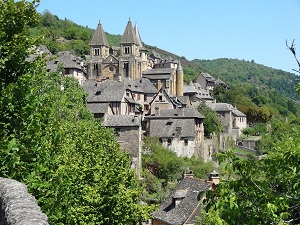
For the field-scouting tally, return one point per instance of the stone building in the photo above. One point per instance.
(127, 127)
(114, 62)
(180, 130)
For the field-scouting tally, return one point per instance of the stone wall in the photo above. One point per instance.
(18, 207)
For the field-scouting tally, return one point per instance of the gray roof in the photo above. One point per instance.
(99, 37)
(142, 85)
(105, 91)
(220, 107)
(121, 121)
(190, 187)
(183, 99)
(67, 59)
(169, 128)
(129, 36)
(98, 107)
(159, 71)
(175, 113)
(138, 37)
(157, 76)
(189, 89)
(238, 113)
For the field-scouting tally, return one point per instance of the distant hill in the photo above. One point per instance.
(236, 72)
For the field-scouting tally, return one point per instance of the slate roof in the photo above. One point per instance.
(159, 71)
(142, 85)
(157, 76)
(138, 37)
(220, 107)
(173, 113)
(98, 107)
(121, 121)
(67, 59)
(238, 113)
(169, 128)
(99, 37)
(129, 36)
(106, 91)
(170, 214)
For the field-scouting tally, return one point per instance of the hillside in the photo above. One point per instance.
(255, 84)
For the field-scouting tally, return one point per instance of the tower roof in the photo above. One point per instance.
(138, 37)
(129, 36)
(99, 37)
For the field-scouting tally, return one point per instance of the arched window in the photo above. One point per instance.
(96, 51)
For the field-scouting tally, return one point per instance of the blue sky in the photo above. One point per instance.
(198, 29)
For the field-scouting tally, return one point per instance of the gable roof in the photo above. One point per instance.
(190, 187)
(178, 113)
(142, 85)
(67, 59)
(99, 37)
(129, 36)
(168, 128)
(105, 91)
(121, 121)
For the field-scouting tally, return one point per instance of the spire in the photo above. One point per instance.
(129, 36)
(179, 67)
(99, 37)
(138, 37)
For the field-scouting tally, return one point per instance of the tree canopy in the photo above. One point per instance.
(52, 143)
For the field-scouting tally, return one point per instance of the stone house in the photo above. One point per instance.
(167, 74)
(72, 66)
(208, 82)
(196, 93)
(180, 130)
(127, 127)
(142, 91)
(109, 97)
(182, 207)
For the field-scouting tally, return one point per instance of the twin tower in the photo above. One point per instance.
(127, 60)
(130, 60)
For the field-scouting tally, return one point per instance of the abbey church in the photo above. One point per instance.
(127, 60)
(130, 60)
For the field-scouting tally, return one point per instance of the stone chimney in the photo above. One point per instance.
(178, 196)
(214, 177)
(188, 173)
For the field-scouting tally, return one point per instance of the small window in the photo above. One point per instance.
(95, 66)
(186, 142)
(145, 97)
(96, 51)
(169, 141)
(160, 98)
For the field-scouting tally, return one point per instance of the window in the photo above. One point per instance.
(146, 107)
(127, 50)
(145, 97)
(96, 51)
(186, 142)
(138, 97)
(160, 98)
(169, 141)
(167, 84)
(117, 131)
(95, 66)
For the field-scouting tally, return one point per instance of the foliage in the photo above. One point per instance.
(212, 124)
(256, 130)
(52, 143)
(162, 169)
(265, 192)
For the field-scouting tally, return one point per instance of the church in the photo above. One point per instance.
(115, 62)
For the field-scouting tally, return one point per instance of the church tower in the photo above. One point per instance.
(143, 51)
(129, 53)
(99, 50)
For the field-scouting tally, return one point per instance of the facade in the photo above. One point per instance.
(72, 66)
(197, 93)
(127, 127)
(167, 74)
(208, 82)
(114, 62)
(180, 130)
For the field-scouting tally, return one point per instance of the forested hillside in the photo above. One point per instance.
(237, 72)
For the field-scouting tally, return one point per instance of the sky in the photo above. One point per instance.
(198, 29)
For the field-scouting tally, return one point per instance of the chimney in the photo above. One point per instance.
(214, 177)
(178, 196)
(188, 173)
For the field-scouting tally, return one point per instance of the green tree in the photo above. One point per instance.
(211, 122)
(52, 143)
(265, 191)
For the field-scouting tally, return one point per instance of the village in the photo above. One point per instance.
(140, 95)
